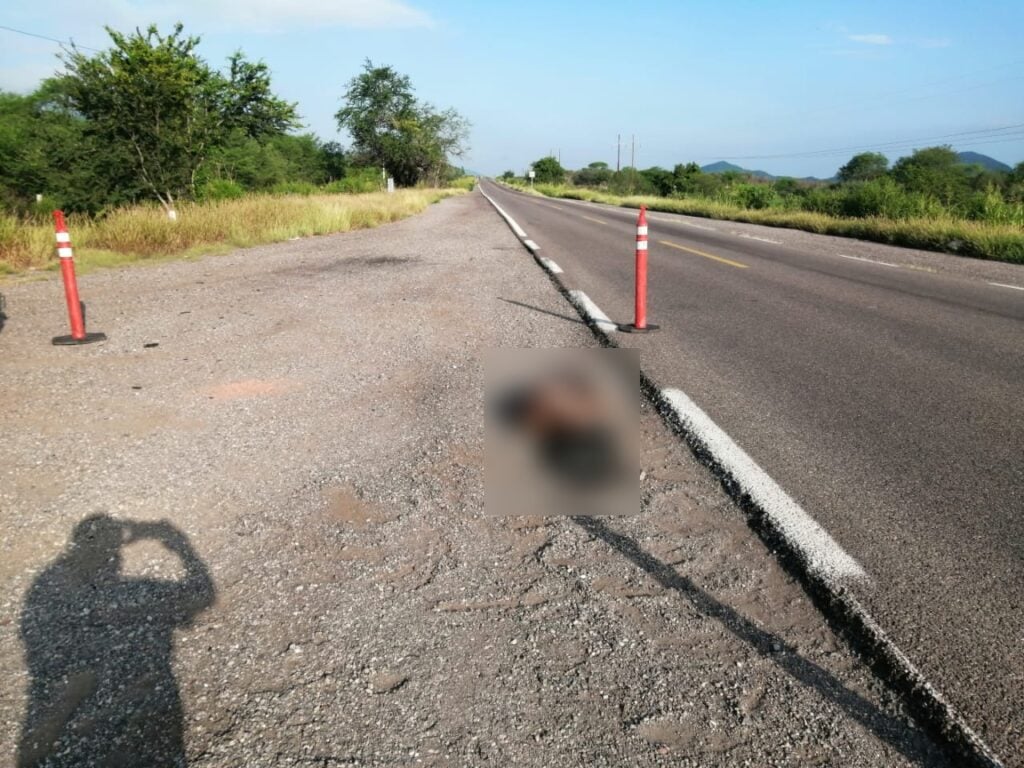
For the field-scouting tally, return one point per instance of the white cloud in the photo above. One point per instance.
(872, 39)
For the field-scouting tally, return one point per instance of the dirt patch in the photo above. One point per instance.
(343, 505)
(250, 388)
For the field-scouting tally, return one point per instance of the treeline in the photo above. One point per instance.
(149, 120)
(931, 183)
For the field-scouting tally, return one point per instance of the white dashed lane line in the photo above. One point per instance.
(755, 237)
(869, 261)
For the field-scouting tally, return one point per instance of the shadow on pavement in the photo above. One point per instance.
(99, 650)
(544, 311)
(3, 314)
(887, 728)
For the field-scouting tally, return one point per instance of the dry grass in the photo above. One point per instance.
(981, 240)
(145, 233)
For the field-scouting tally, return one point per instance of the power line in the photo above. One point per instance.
(1003, 132)
(50, 39)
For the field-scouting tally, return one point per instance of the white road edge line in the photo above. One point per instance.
(592, 311)
(823, 554)
(551, 266)
(869, 261)
(813, 544)
(1007, 285)
(824, 561)
(828, 567)
(508, 219)
(548, 264)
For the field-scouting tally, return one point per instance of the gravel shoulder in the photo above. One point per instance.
(325, 590)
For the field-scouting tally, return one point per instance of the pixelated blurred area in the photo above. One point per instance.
(562, 432)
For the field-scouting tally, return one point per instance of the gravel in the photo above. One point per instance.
(325, 590)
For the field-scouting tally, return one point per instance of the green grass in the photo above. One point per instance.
(980, 240)
(464, 182)
(144, 233)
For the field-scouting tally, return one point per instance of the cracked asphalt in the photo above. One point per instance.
(262, 542)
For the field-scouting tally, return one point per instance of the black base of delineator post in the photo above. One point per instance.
(633, 329)
(71, 341)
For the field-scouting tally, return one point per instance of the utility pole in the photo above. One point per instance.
(618, 153)
(632, 162)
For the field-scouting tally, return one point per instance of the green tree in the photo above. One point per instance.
(660, 179)
(935, 171)
(594, 175)
(152, 96)
(549, 171)
(864, 167)
(1015, 184)
(46, 148)
(684, 177)
(246, 102)
(336, 160)
(786, 186)
(390, 128)
(508, 175)
(629, 181)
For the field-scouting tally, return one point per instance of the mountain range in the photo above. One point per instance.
(968, 158)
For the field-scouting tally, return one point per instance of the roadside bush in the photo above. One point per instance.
(42, 210)
(220, 189)
(754, 196)
(884, 197)
(824, 200)
(978, 239)
(990, 206)
(356, 181)
(144, 231)
(293, 188)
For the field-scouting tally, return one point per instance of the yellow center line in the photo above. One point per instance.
(730, 262)
(596, 221)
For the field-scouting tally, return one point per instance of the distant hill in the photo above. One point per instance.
(722, 167)
(968, 158)
(976, 158)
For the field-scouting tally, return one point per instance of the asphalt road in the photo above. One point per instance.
(880, 387)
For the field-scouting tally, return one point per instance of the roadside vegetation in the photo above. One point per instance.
(152, 152)
(145, 233)
(928, 200)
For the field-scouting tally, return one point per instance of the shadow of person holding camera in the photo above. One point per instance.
(99, 649)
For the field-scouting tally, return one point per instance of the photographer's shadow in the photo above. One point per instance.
(99, 649)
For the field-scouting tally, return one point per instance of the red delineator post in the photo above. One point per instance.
(67, 273)
(640, 324)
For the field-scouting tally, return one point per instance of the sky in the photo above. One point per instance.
(789, 87)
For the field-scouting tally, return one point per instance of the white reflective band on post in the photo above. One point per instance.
(65, 253)
(642, 245)
(63, 237)
(642, 230)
